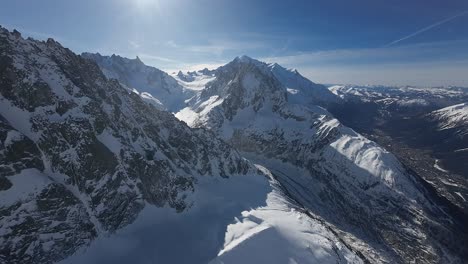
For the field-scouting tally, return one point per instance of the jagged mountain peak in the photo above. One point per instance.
(276, 66)
(302, 90)
(137, 76)
(136, 63)
(245, 58)
(246, 61)
(243, 83)
(138, 59)
(299, 89)
(186, 77)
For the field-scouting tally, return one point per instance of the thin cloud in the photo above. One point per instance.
(417, 52)
(427, 28)
(134, 44)
(171, 44)
(431, 64)
(218, 47)
(154, 57)
(431, 74)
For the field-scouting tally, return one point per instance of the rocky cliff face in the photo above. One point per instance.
(360, 189)
(81, 155)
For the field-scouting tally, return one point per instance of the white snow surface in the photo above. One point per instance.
(26, 184)
(452, 116)
(147, 97)
(243, 219)
(437, 166)
(412, 102)
(197, 82)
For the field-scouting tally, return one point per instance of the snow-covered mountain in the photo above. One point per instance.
(300, 89)
(84, 162)
(148, 81)
(453, 117)
(92, 168)
(359, 189)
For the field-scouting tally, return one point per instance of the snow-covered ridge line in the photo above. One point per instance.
(452, 117)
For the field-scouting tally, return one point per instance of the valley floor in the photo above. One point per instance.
(450, 185)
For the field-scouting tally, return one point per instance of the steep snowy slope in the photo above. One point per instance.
(453, 117)
(300, 89)
(195, 81)
(144, 79)
(358, 188)
(243, 219)
(84, 159)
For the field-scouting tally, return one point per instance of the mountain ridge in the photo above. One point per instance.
(85, 159)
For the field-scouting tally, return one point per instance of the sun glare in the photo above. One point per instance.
(146, 5)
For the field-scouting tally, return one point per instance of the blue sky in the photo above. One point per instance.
(417, 42)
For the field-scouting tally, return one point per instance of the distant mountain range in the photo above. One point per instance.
(424, 127)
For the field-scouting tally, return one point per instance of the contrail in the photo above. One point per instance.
(428, 27)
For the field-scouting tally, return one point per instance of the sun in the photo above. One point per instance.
(146, 5)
